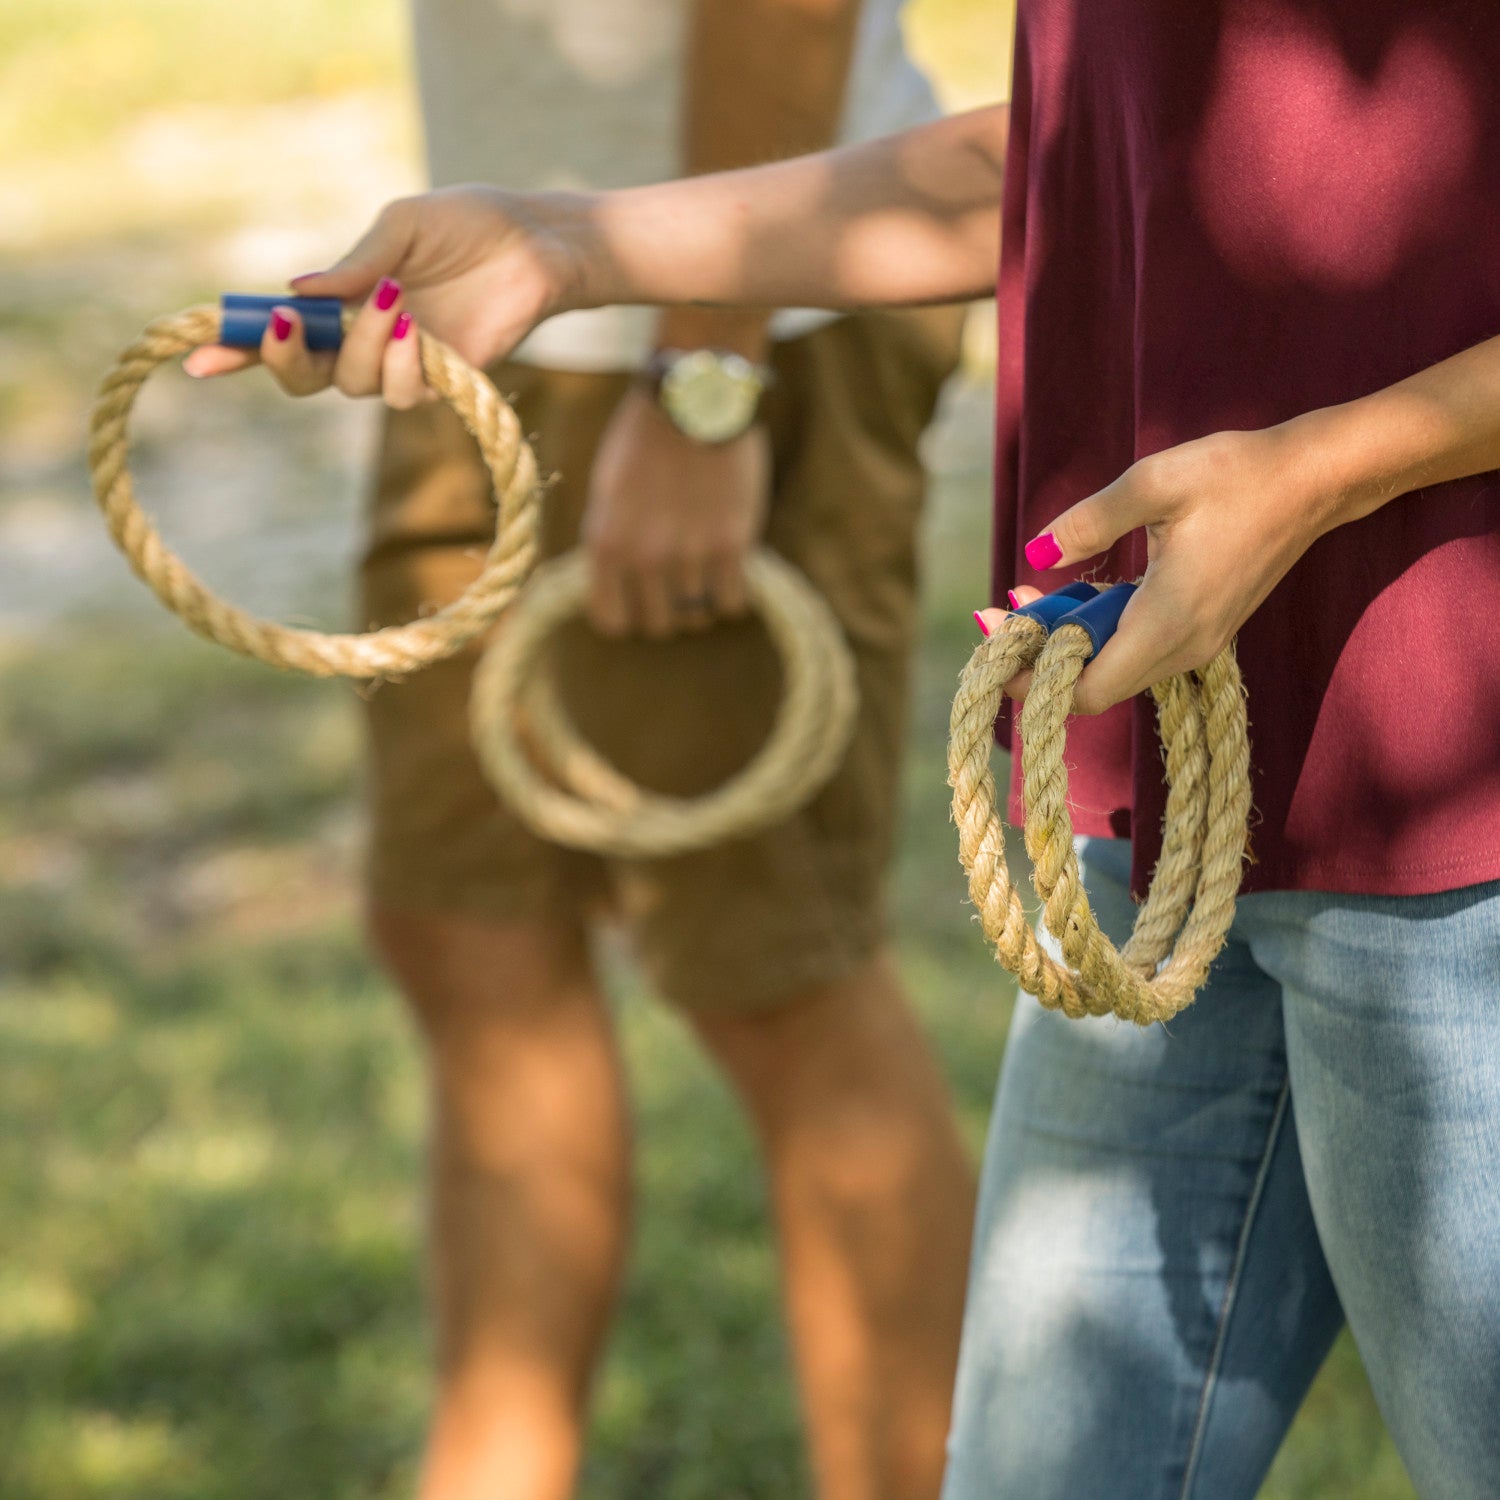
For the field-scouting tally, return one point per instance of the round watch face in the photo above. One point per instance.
(711, 396)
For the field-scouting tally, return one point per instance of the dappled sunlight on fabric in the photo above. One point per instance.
(1264, 157)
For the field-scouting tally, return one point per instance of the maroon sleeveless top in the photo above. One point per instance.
(1219, 214)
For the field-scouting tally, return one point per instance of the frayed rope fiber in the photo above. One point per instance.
(391, 652)
(1182, 925)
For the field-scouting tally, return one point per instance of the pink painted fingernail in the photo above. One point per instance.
(281, 326)
(304, 276)
(1044, 551)
(401, 327)
(979, 621)
(386, 294)
(1012, 599)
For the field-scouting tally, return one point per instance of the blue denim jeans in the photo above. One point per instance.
(1174, 1223)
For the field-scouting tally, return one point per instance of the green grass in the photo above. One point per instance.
(74, 71)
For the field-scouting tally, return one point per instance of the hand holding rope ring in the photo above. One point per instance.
(390, 652)
(1183, 922)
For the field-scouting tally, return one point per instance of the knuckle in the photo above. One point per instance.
(396, 211)
(349, 383)
(304, 382)
(653, 554)
(1080, 531)
(1149, 478)
(1162, 480)
(1088, 701)
(1220, 452)
(608, 621)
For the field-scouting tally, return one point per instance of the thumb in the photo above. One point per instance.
(380, 252)
(1093, 525)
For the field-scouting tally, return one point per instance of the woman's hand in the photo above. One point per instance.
(1225, 517)
(670, 522)
(476, 266)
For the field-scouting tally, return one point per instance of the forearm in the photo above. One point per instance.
(1440, 424)
(908, 220)
(764, 82)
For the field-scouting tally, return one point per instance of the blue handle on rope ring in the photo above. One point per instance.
(1050, 608)
(244, 319)
(1099, 616)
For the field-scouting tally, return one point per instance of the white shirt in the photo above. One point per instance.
(542, 94)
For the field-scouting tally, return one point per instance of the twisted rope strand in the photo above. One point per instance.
(1186, 915)
(1180, 727)
(390, 652)
(565, 792)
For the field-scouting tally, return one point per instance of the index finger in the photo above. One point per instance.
(379, 252)
(1141, 652)
(219, 359)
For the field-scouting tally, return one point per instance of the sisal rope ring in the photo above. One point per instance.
(389, 652)
(1186, 916)
(580, 801)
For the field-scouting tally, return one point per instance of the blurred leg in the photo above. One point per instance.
(874, 1202)
(530, 1193)
(769, 941)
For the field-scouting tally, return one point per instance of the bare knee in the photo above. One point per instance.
(501, 1006)
(461, 974)
(841, 1085)
(520, 1046)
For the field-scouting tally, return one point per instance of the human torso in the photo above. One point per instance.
(1220, 214)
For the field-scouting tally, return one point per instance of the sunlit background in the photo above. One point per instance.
(210, 1110)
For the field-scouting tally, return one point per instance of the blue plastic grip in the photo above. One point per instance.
(1100, 616)
(244, 318)
(1050, 608)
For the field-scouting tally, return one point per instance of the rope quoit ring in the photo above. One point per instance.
(1205, 737)
(390, 652)
(578, 800)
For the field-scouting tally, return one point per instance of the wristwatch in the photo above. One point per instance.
(710, 395)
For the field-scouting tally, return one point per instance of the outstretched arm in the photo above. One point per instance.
(910, 219)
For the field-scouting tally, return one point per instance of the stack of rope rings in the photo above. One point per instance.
(588, 804)
(585, 803)
(1182, 925)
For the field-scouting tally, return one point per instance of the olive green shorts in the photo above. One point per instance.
(749, 923)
